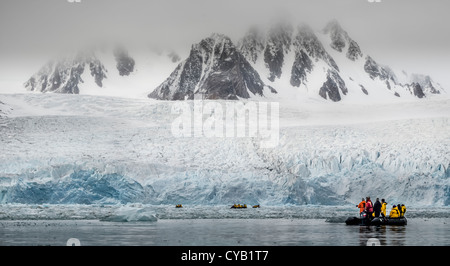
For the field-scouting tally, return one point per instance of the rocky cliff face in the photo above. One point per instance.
(377, 71)
(252, 45)
(277, 45)
(216, 70)
(340, 40)
(333, 87)
(426, 83)
(308, 51)
(125, 63)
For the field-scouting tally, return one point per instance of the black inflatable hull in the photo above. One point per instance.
(377, 221)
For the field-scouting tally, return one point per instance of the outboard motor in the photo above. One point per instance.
(363, 217)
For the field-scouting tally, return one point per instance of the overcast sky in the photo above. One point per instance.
(407, 34)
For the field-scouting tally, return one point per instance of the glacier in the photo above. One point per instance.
(102, 151)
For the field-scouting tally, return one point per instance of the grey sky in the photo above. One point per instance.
(408, 34)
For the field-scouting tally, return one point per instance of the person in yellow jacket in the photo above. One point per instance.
(394, 212)
(403, 210)
(383, 208)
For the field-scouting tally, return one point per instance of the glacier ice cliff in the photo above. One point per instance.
(100, 150)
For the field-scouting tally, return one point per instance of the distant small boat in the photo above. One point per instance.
(239, 206)
(256, 206)
(179, 206)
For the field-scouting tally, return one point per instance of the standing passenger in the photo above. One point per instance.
(383, 208)
(361, 206)
(403, 210)
(377, 208)
(369, 208)
(399, 208)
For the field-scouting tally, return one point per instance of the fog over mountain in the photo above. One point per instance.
(390, 31)
(291, 59)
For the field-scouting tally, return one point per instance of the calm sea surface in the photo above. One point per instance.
(224, 232)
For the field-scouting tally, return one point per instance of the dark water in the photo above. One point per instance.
(204, 232)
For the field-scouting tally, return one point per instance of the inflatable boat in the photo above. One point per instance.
(376, 221)
(239, 206)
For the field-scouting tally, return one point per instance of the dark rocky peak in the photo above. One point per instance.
(353, 52)
(377, 71)
(300, 69)
(308, 50)
(278, 44)
(338, 35)
(252, 44)
(333, 87)
(64, 74)
(416, 90)
(340, 40)
(306, 40)
(217, 46)
(391, 74)
(426, 83)
(125, 64)
(418, 85)
(281, 35)
(216, 70)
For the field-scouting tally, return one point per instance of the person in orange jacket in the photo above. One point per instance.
(361, 206)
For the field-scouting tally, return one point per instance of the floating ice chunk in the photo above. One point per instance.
(131, 214)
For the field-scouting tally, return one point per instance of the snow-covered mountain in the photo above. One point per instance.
(64, 75)
(104, 70)
(216, 70)
(426, 83)
(328, 63)
(296, 62)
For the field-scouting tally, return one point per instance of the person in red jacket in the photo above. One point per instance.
(369, 208)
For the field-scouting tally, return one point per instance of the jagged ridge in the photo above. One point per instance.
(64, 75)
(217, 69)
(308, 51)
(214, 69)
